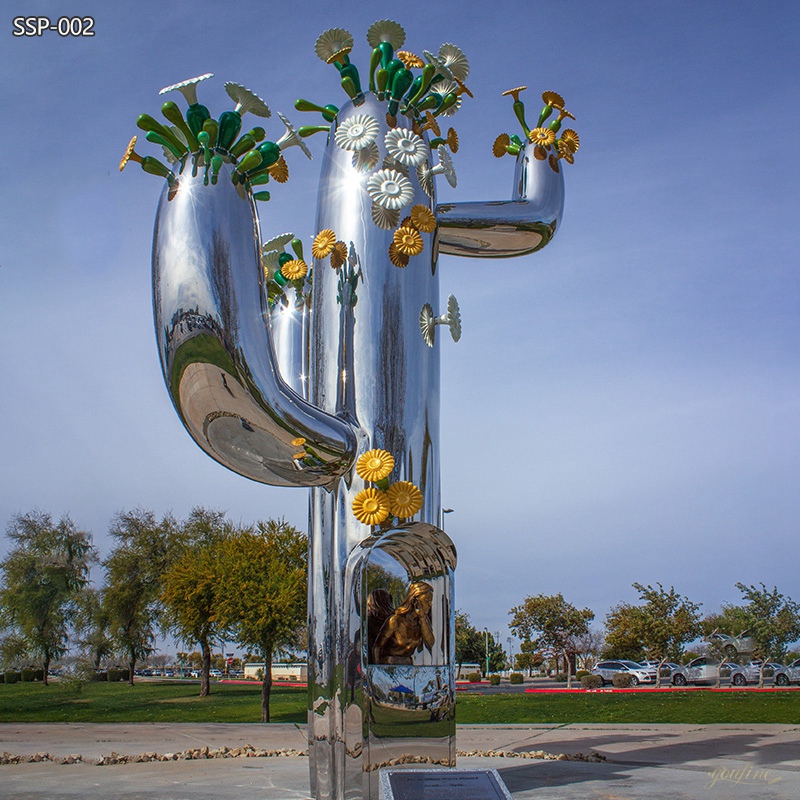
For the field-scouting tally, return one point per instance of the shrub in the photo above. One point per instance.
(561, 677)
(590, 681)
(622, 680)
(116, 675)
(581, 672)
(494, 680)
(515, 677)
(474, 677)
(11, 676)
(2, 677)
(98, 675)
(30, 675)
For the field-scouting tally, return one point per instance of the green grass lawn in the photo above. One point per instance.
(176, 702)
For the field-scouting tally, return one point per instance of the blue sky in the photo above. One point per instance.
(622, 406)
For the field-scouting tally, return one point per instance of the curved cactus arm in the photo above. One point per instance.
(215, 348)
(504, 228)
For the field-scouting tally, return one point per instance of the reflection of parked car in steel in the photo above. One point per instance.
(749, 673)
(639, 674)
(732, 646)
(788, 674)
(673, 673)
(705, 670)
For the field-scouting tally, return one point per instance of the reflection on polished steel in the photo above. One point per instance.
(515, 227)
(380, 632)
(210, 315)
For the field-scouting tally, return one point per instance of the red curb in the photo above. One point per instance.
(663, 689)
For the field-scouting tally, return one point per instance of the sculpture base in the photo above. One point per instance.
(442, 784)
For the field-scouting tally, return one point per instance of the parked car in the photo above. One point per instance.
(704, 670)
(788, 674)
(749, 673)
(639, 674)
(733, 646)
(673, 673)
(215, 673)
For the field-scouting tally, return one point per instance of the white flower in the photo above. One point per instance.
(452, 58)
(291, 138)
(388, 188)
(386, 30)
(425, 178)
(332, 41)
(246, 100)
(357, 132)
(445, 166)
(441, 68)
(444, 88)
(405, 146)
(385, 218)
(277, 242)
(188, 88)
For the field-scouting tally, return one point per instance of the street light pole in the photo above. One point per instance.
(486, 639)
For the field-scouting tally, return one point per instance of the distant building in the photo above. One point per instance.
(298, 671)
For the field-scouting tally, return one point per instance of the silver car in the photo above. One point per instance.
(705, 670)
(749, 673)
(788, 674)
(639, 674)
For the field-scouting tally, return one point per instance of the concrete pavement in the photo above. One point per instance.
(644, 762)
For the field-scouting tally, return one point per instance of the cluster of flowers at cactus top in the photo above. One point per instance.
(212, 142)
(548, 144)
(383, 502)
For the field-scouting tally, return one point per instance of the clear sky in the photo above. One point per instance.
(622, 406)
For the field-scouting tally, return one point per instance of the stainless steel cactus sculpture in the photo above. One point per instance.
(328, 377)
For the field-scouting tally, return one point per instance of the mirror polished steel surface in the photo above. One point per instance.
(216, 356)
(497, 229)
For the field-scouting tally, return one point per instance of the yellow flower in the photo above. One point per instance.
(375, 465)
(540, 152)
(452, 140)
(553, 99)
(553, 162)
(423, 218)
(409, 59)
(431, 124)
(338, 255)
(129, 154)
(295, 269)
(404, 499)
(371, 506)
(396, 257)
(542, 136)
(298, 442)
(570, 140)
(500, 144)
(338, 56)
(514, 92)
(301, 454)
(323, 243)
(280, 170)
(408, 241)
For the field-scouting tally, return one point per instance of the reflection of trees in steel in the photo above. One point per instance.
(222, 290)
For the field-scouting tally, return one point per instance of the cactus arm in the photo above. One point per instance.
(500, 229)
(215, 348)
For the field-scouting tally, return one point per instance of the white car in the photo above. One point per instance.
(639, 674)
(788, 674)
(215, 673)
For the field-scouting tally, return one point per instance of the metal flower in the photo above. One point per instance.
(405, 146)
(278, 242)
(386, 30)
(553, 99)
(375, 465)
(514, 92)
(323, 243)
(410, 61)
(437, 62)
(246, 101)
(542, 136)
(390, 162)
(408, 241)
(454, 59)
(569, 140)
(270, 262)
(452, 140)
(444, 88)
(188, 88)
(371, 506)
(445, 166)
(553, 162)
(500, 144)
(280, 170)
(129, 154)
(423, 218)
(357, 132)
(295, 269)
(396, 257)
(425, 178)
(431, 124)
(330, 42)
(367, 159)
(385, 218)
(404, 498)
(298, 442)
(388, 188)
(291, 138)
(539, 152)
(338, 255)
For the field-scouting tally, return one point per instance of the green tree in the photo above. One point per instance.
(143, 552)
(551, 623)
(528, 658)
(263, 595)
(623, 639)
(469, 641)
(191, 585)
(45, 570)
(773, 621)
(92, 627)
(668, 622)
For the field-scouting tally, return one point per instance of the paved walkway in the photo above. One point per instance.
(644, 762)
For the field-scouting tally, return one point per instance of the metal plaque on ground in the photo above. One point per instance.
(443, 784)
